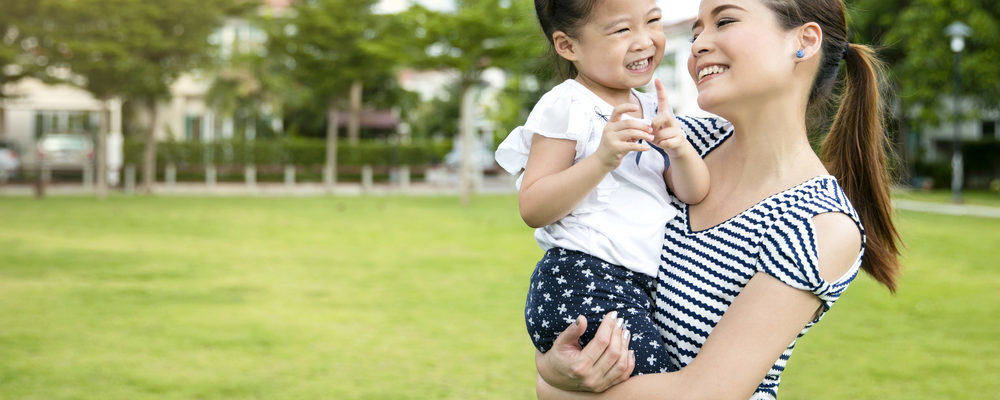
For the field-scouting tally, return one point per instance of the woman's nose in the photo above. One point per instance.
(700, 46)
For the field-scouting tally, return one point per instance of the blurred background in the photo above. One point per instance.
(298, 199)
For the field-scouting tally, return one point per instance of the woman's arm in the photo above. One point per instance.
(761, 322)
(552, 185)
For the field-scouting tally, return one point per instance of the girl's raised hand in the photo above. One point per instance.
(621, 136)
(666, 129)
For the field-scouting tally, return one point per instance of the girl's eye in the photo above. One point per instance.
(724, 22)
(623, 30)
(693, 38)
(654, 20)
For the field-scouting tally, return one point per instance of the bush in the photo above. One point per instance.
(296, 151)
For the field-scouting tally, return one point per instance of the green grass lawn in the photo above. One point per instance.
(401, 298)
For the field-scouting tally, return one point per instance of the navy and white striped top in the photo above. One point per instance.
(703, 271)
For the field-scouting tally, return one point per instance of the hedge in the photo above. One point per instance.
(295, 151)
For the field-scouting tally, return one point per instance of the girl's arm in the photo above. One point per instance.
(761, 322)
(552, 185)
(687, 175)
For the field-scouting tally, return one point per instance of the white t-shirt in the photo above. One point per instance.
(623, 220)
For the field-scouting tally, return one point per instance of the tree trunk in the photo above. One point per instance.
(101, 154)
(354, 119)
(467, 135)
(330, 169)
(149, 150)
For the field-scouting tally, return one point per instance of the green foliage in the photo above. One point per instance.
(911, 32)
(297, 151)
(20, 47)
(478, 35)
(131, 48)
(328, 44)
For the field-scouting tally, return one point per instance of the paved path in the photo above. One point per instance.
(948, 209)
(491, 185)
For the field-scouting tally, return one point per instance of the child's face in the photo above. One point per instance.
(621, 44)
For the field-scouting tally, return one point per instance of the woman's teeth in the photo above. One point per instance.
(638, 65)
(715, 69)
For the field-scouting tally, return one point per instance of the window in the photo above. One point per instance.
(989, 129)
(82, 122)
(192, 128)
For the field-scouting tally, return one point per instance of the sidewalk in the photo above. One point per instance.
(947, 209)
(490, 185)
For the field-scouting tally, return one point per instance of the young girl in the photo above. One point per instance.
(590, 182)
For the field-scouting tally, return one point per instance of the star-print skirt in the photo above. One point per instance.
(569, 283)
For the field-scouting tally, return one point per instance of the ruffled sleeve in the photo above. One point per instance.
(558, 115)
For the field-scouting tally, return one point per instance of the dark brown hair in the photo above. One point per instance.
(565, 16)
(854, 150)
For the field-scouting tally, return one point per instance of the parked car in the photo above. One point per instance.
(65, 151)
(10, 162)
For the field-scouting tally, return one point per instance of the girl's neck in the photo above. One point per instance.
(773, 143)
(612, 96)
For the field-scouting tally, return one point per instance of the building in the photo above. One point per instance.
(187, 116)
(36, 108)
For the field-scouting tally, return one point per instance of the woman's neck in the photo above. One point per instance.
(772, 141)
(612, 96)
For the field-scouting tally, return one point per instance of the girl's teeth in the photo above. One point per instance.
(638, 65)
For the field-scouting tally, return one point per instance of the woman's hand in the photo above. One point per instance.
(605, 361)
(622, 137)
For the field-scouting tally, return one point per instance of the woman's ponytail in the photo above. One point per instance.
(855, 151)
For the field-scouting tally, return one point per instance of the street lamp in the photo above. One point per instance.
(958, 32)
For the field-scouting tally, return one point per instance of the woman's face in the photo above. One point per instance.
(740, 55)
(621, 44)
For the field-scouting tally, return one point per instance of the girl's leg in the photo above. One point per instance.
(568, 283)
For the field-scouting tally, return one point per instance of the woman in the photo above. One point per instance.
(781, 233)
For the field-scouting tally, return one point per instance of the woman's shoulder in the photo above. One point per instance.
(705, 133)
(815, 240)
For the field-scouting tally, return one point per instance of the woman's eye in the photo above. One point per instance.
(623, 30)
(724, 22)
(654, 20)
(693, 38)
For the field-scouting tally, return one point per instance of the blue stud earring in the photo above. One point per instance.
(800, 54)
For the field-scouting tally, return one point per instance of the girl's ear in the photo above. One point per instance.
(810, 40)
(565, 45)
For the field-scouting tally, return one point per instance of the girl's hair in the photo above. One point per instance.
(855, 148)
(565, 16)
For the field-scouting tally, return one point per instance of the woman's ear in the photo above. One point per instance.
(810, 40)
(565, 46)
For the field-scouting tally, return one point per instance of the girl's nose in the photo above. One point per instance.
(642, 41)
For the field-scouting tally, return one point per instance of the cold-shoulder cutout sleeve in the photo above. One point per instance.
(789, 253)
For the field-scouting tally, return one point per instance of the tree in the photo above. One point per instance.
(133, 49)
(21, 52)
(910, 34)
(328, 46)
(478, 35)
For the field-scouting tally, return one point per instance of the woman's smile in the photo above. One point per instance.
(710, 71)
